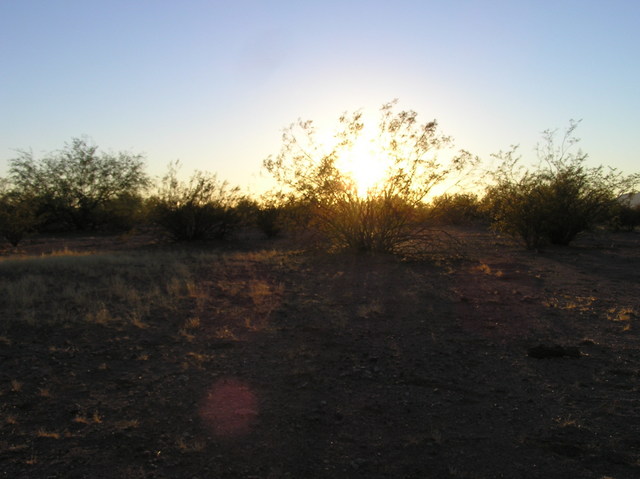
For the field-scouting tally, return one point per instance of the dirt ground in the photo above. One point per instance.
(309, 365)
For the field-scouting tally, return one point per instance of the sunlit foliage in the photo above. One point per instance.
(383, 218)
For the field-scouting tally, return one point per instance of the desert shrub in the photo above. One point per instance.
(379, 223)
(202, 208)
(266, 216)
(557, 200)
(519, 207)
(246, 209)
(269, 219)
(623, 216)
(71, 188)
(456, 209)
(123, 213)
(382, 218)
(18, 214)
(278, 214)
(70, 287)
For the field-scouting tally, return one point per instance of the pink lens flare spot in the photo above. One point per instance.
(229, 408)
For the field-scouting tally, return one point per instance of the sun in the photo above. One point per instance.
(365, 163)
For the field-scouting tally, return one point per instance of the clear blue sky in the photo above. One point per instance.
(213, 83)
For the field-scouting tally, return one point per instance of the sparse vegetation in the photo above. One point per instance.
(18, 217)
(76, 187)
(382, 219)
(457, 209)
(158, 360)
(270, 359)
(271, 218)
(559, 199)
(202, 208)
(623, 216)
(99, 288)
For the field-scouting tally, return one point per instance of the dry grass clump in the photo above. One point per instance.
(99, 288)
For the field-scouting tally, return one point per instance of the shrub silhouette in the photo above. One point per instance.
(559, 199)
(18, 215)
(202, 208)
(456, 209)
(623, 216)
(123, 213)
(268, 216)
(72, 188)
(384, 219)
(269, 219)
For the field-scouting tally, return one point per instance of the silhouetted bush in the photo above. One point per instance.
(246, 209)
(559, 199)
(123, 213)
(378, 224)
(202, 208)
(456, 209)
(265, 216)
(18, 215)
(278, 214)
(71, 188)
(383, 218)
(269, 220)
(624, 217)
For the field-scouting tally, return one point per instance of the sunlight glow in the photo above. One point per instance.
(365, 163)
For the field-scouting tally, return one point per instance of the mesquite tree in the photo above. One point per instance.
(73, 186)
(385, 216)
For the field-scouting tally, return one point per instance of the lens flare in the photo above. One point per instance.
(229, 408)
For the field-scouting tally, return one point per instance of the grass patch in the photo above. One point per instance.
(96, 288)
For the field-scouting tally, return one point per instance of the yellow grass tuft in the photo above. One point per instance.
(135, 319)
(192, 323)
(199, 357)
(17, 447)
(127, 424)
(187, 335)
(48, 434)
(370, 309)
(66, 252)
(101, 316)
(94, 419)
(44, 392)
(187, 446)
(225, 333)
(621, 314)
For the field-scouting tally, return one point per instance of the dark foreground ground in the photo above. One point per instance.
(309, 366)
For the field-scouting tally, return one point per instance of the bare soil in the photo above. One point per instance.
(310, 365)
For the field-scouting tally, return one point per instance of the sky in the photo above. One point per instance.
(213, 83)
